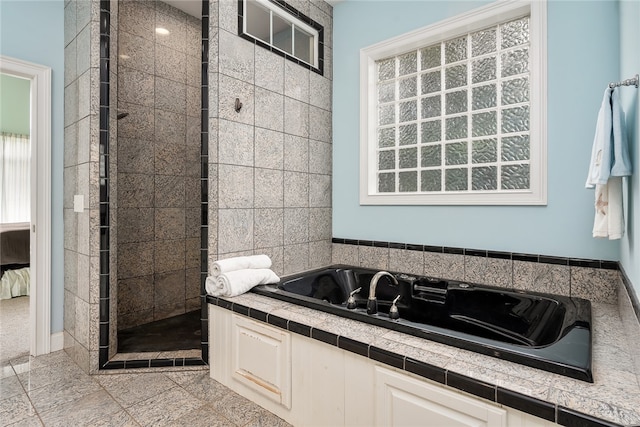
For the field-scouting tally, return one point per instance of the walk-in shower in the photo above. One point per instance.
(157, 165)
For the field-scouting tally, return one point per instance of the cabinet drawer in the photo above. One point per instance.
(261, 359)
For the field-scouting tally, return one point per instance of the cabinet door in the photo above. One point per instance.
(405, 401)
(261, 359)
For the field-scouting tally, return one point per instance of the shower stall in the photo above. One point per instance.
(158, 174)
(176, 176)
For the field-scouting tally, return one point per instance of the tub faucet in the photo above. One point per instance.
(372, 302)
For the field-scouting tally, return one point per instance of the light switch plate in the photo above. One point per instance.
(78, 203)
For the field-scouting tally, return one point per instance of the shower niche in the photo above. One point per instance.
(157, 200)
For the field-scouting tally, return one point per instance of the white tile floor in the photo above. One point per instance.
(51, 390)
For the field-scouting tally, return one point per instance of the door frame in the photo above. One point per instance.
(40, 231)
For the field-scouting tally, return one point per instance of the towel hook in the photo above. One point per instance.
(238, 105)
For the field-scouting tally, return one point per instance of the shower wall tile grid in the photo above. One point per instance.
(591, 279)
(84, 162)
(159, 149)
(270, 163)
(102, 320)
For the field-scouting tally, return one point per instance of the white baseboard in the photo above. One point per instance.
(57, 341)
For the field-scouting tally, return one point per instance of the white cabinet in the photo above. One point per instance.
(310, 383)
(401, 400)
(261, 358)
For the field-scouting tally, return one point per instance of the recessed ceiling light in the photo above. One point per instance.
(162, 31)
(123, 56)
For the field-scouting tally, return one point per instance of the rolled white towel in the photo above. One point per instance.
(238, 282)
(223, 266)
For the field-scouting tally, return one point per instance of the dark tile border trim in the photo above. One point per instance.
(493, 393)
(570, 418)
(527, 404)
(542, 259)
(103, 354)
(425, 370)
(154, 363)
(472, 386)
(387, 357)
(353, 346)
(204, 186)
(105, 275)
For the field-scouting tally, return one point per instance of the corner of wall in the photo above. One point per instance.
(629, 15)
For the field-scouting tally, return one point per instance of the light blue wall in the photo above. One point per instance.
(582, 59)
(630, 66)
(34, 31)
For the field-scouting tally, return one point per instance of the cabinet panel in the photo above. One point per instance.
(261, 359)
(309, 383)
(358, 391)
(404, 401)
(323, 368)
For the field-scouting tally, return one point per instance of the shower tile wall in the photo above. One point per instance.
(158, 168)
(282, 204)
(270, 163)
(81, 165)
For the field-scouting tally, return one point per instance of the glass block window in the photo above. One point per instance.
(467, 127)
(452, 119)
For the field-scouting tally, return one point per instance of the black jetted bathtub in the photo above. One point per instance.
(544, 331)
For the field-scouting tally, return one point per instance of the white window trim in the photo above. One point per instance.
(274, 8)
(444, 30)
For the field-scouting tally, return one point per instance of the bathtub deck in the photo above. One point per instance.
(613, 397)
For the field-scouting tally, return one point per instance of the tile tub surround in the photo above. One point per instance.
(270, 163)
(590, 279)
(610, 400)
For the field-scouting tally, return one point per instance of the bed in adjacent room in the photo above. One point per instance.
(14, 259)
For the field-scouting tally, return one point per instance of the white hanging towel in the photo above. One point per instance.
(609, 162)
(609, 219)
(600, 165)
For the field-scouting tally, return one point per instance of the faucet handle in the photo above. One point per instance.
(351, 302)
(393, 310)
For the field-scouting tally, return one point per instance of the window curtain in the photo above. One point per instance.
(15, 188)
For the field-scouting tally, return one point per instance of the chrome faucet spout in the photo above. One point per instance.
(372, 302)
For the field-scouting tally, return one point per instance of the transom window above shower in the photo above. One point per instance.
(456, 119)
(282, 29)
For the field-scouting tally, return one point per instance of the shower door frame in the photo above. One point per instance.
(105, 208)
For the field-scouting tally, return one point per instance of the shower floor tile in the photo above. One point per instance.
(181, 332)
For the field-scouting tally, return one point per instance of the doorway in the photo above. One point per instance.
(38, 225)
